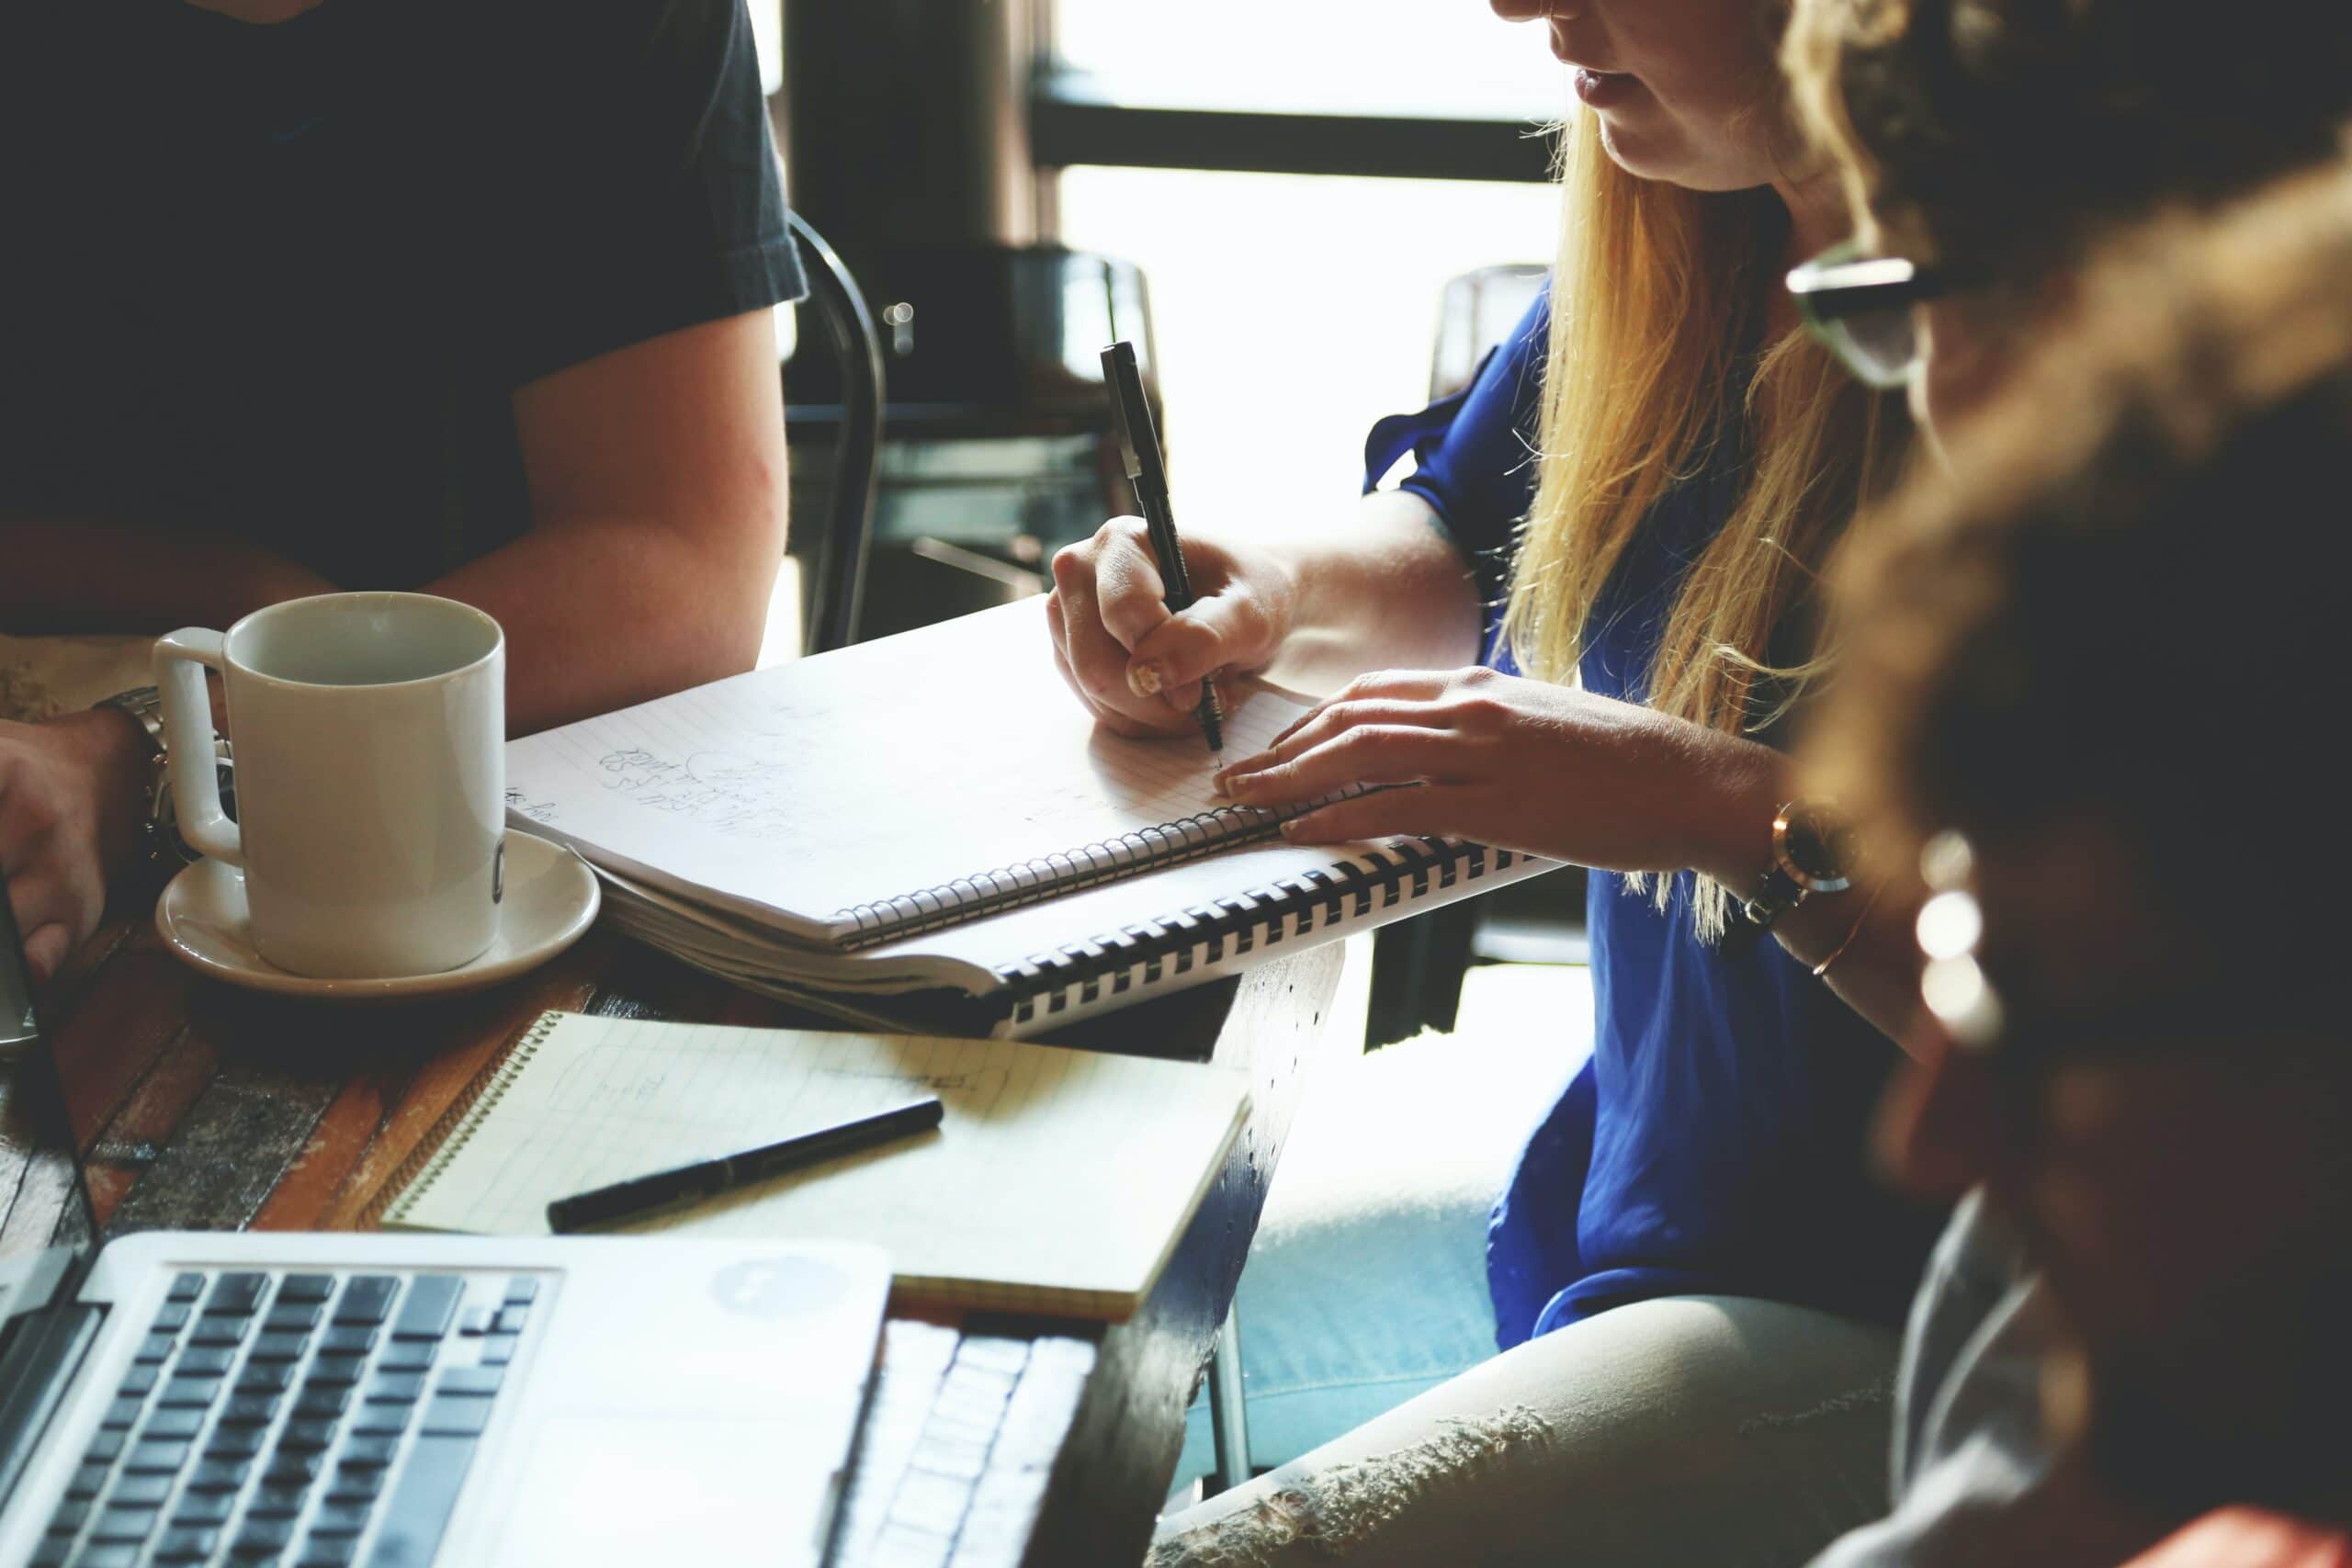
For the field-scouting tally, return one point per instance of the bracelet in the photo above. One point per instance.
(1869, 904)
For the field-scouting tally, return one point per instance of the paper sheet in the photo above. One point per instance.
(795, 794)
(1059, 1180)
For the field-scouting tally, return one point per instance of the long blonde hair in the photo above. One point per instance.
(1659, 351)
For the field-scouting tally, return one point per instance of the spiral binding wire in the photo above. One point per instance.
(1398, 872)
(1048, 876)
(449, 1136)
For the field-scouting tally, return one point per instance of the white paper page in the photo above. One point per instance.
(795, 794)
(1053, 1171)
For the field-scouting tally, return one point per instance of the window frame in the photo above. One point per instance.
(1075, 119)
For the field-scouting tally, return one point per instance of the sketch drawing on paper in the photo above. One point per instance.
(741, 793)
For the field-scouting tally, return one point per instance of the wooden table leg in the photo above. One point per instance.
(1115, 1465)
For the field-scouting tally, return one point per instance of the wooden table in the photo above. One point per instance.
(201, 1107)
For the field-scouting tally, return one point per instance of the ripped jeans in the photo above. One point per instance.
(1692, 1432)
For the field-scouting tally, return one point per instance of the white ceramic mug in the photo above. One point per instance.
(370, 733)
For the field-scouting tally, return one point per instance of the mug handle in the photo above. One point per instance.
(188, 733)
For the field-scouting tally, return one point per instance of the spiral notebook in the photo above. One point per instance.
(936, 811)
(1058, 1180)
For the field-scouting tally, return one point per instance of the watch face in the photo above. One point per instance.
(1818, 844)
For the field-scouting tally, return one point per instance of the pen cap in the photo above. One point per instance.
(1126, 388)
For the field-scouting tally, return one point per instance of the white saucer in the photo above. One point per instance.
(551, 898)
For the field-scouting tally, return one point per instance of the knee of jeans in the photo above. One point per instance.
(1329, 1511)
(1873, 1397)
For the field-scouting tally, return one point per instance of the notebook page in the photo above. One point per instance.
(1059, 1178)
(792, 794)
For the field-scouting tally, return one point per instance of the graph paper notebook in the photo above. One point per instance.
(936, 810)
(1059, 1181)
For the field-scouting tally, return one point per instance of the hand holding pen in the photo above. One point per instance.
(1140, 456)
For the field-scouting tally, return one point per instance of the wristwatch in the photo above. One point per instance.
(1812, 853)
(160, 840)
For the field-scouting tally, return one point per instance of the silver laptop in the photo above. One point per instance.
(189, 1397)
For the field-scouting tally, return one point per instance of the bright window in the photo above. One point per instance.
(1290, 312)
(1293, 310)
(1364, 56)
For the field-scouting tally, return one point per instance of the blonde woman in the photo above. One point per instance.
(1694, 1278)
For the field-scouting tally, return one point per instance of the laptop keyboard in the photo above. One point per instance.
(317, 1420)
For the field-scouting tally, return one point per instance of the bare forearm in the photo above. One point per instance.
(601, 613)
(1877, 972)
(1381, 589)
(119, 577)
(658, 488)
(1863, 933)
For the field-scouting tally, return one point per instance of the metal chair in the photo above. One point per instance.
(1418, 965)
(837, 564)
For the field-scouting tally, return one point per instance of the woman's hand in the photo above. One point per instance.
(1524, 765)
(69, 802)
(1137, 668)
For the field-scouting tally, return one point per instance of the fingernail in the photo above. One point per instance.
(1290, 827)
(1144, 679)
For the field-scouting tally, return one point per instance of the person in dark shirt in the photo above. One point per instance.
(466, 296)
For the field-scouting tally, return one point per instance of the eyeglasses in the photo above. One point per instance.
(2021, 1039)
(1858, 308)
(1952, 984)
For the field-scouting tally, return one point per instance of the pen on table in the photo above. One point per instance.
(707, 1178)
(1139, 453)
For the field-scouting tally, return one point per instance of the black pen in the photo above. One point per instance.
(1139, 453)
(708, 1179)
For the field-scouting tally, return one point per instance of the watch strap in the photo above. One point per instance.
(1775, 894)
(159, 827)
(144, 704)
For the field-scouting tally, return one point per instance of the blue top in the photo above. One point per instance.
(1715, 1142)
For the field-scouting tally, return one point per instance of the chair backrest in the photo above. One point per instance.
(837, 564)
(1478, 311)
